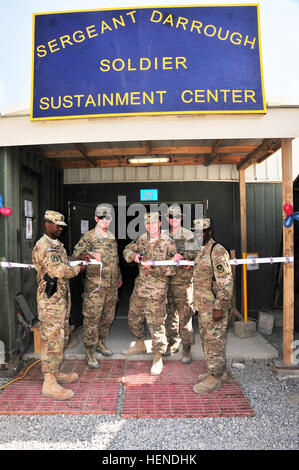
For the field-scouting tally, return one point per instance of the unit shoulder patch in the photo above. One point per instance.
(221, 266)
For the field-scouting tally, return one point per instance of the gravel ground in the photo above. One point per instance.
(274, 426)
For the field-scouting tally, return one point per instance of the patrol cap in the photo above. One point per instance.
(201, 224)
(152, 217)
(55, 217)
(174, 210)
(102, 210)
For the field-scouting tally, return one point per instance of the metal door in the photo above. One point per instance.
(29, 183)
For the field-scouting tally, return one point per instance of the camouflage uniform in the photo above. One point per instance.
(179, 312)
(209, 294)
(100, 287)
(49, 256)
(149, 297)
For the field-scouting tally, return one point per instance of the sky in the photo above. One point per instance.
(279, 40)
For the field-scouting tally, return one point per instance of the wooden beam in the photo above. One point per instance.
(243, 211)
(260, 153)
(83, 152)
(142, 151)
(243, 223)
(148, 147)
(32, 149)
(209, 159)
(123, 162)
(288, 250)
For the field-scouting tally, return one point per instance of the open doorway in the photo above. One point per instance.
(81, 220)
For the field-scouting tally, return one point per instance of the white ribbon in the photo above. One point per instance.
(282, 259)
(7, 264)
(235, 262)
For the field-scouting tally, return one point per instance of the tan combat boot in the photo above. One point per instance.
(51, 389)
(68, 378)
(138, 348)
(90, 358)
(186, 354)
(172, 348)
(102, 348)
(208, 385)
(224, 377)
(157, 365)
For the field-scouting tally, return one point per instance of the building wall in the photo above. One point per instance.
(264, 220)
(22, 175)
(269, 170)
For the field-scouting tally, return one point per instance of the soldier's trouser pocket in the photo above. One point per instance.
(213, 340)
(155, 314)
(98, 313)
(53, 333)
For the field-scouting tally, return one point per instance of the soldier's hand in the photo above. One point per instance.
(177, 257)
(148, 264)
(82, 267)
(119, 284)
(137, 258)
(97, 257)
(217, 314)
(84, 257)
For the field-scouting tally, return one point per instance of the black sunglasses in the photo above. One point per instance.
(174, 216)
(104, 217)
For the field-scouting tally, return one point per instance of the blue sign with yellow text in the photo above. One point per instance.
(149, 60)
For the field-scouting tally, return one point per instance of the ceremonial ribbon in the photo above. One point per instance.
(282, 259)
(252, 261)
(8, 264)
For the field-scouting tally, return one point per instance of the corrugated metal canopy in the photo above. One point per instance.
(241, 152)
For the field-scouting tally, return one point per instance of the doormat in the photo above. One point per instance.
(96, 391)
(126, 388)
(170, 394)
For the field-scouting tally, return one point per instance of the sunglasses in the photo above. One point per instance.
(104, 217)
(174, 216)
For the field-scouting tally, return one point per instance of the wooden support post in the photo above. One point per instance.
(37, 338)
(234, 310)
(288, 250)
(243, 221)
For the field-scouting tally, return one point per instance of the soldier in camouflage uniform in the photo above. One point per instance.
(53, 299)
(212, 296)
(101, 285)
(179, 312)
(149, 297)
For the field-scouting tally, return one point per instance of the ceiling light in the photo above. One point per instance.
(137, 160)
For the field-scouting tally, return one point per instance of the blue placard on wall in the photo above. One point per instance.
(148, 195)
(149, 60)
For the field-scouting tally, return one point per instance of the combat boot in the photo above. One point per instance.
(224, 377)
(172, 348)
(102, 348)
(138, 348)
(208, 385)
(90, 358)
(51, 389)
(186, 354)
(157, 365)
(64, 378)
